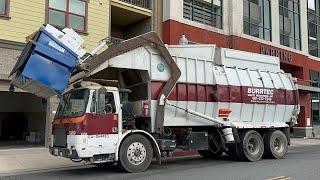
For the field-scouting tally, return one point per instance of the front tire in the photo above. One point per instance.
(276, 144)
(251, 147)
(135, 154)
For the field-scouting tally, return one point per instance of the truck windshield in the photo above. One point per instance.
(73, 104)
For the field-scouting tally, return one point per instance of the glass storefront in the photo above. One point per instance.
(315, 99)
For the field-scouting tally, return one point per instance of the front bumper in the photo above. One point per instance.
(64, 152)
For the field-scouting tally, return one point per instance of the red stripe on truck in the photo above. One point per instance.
(226, 93)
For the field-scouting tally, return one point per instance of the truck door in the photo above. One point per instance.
(106, 122)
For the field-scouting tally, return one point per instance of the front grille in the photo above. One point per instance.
(60, 136)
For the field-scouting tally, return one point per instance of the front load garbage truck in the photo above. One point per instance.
(141, 99)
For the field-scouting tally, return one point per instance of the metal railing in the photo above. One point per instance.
(310, 83)
(141, 3)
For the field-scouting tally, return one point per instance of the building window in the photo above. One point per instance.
(68, 13)
(4, 8)
(314, 27)
(314, 79)
(315, 108)
(207, 12)
(315, 97)
(257, 18)
(290, 23)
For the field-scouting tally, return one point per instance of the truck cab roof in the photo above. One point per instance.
(91, 85)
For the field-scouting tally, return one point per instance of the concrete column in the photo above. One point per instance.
(235, 17)
(172, 9)
(304, 26)
(226, 16)
(52, 105)
(157, 16)
(275, 21)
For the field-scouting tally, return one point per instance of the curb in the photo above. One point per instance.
(315, 138)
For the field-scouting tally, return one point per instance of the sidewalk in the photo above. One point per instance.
(16, 161)
(31, 159)
(297, 142)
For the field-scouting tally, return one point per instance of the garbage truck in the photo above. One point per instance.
(140, 100)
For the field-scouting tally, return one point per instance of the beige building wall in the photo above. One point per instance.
(26, 17)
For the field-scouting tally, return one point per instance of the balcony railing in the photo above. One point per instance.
(310, 83)
(141, 3)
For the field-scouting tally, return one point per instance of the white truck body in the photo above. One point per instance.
(259, 94)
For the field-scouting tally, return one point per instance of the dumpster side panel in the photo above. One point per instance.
(45, 64)
(49, 73)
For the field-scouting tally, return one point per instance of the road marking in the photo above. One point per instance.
(280, 178)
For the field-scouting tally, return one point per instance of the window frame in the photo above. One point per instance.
(263, 23)
(212, 14)
(316, 14)
(295, 37)
(314, 96)
(314, 83)
(6, 9)
(67, 13)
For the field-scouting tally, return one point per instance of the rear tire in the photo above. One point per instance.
(135, 154)
(251, 147)
(276, 144)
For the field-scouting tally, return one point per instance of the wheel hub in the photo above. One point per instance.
(136, 153)
(278, 145)
(253, 147)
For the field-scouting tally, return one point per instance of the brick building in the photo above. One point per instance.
(288, 29)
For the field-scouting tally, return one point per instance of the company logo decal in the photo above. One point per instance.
(98, 136)
(260, 95)
(160, 67)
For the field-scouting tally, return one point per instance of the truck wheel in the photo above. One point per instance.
(251, 147)
(276, 144)
(135, 154)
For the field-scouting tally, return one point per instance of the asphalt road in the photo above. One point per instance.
(301, 163)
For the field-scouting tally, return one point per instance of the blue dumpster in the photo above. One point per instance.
(45, 66)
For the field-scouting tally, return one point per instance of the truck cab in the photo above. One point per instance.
(88, 126)
(87, 123)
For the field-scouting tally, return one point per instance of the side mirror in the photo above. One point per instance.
(101, 98)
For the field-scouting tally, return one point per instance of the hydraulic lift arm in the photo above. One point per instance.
(148, 39)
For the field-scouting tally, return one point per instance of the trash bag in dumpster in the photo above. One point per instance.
(45, 65)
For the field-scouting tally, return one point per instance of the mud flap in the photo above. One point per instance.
(286, 131)
(236, 135)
